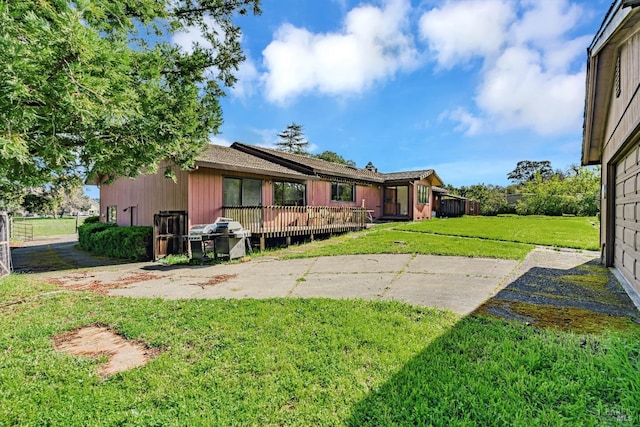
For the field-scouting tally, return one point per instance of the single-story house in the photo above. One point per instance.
(272, 193)
(612, 136)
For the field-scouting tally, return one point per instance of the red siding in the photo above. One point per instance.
(205, 196)
(144, 196)
(319, 194)
(421, 211)
(199, 192)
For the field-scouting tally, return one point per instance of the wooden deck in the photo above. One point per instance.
(288, 221)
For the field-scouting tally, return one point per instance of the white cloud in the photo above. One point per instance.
(460, 30)
(188, 37)
(467, 122)
(372, 46)
(267, 137)
(518, 93)
(217, 140)
(529, 77)
(248, 76)
(545, 21)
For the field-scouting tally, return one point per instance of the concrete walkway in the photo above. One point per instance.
(459, 284)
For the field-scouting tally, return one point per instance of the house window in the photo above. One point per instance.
(289, 193)
(617, 77)
(242, 192)
(423, 194)
(342, 192)
(112, 214)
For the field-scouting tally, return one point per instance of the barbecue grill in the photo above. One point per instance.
(225, 238)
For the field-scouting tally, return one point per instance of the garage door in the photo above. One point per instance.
(627, 234)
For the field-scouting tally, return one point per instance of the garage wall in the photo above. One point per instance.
(627, 217)
(620, 216)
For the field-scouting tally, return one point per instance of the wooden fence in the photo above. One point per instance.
(286, 221)
(455, 207)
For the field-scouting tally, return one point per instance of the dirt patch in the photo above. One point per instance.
(97, 340)
(216, 280)
(85, 281)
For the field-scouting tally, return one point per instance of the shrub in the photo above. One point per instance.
(134, 243)
(87, 234)
(92, 219)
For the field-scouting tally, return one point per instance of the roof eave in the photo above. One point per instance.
(600, 74)
(255, 171)
(255, 151)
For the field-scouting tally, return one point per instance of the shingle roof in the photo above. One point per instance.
(439, 190)
(411, 175)
(400, 176)
(267, 161)
(311, 165)
(227, 158)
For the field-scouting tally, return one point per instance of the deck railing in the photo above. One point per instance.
(284, 221)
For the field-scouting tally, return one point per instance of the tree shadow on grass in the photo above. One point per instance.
(512, 363)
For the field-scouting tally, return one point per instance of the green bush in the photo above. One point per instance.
(87, 235)
(134, 243)
(92, 219)
(562, 195)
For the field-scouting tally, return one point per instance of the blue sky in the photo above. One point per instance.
(465, 87)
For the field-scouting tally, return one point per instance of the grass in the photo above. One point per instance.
(306, 362)
(507, 237)
(567, 232)
(391, 241)
(43, 227)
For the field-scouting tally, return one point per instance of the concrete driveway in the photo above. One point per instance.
(459, 284)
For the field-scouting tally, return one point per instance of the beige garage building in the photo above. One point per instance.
(612, 136)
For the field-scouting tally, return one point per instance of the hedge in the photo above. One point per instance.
(134, 243)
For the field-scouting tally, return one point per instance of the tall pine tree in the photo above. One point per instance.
(292, 140)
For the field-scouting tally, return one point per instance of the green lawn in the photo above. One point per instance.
(43, 227)
(319, 361)
(306, 362)
(391, 241)
(568, 232)
(509, 237)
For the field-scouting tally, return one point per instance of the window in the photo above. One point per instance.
(289, 194)
(423, 194)
(242, 192)
(342, 192)
(112, 214)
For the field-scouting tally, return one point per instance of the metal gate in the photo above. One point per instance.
(168, 229)
(5, 251)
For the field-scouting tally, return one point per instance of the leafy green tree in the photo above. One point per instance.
(73, 199)
(100, 88)
(577, 194)
(292, 140)
(11, 196)
(334, 157)
(526, 170)
(492, 198)
(45, 203)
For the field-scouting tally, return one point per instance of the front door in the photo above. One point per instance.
(396, 201)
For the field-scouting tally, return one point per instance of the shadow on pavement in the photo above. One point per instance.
(56, 254)
(586, 298)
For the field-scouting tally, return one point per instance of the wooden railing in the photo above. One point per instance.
(283, 221)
